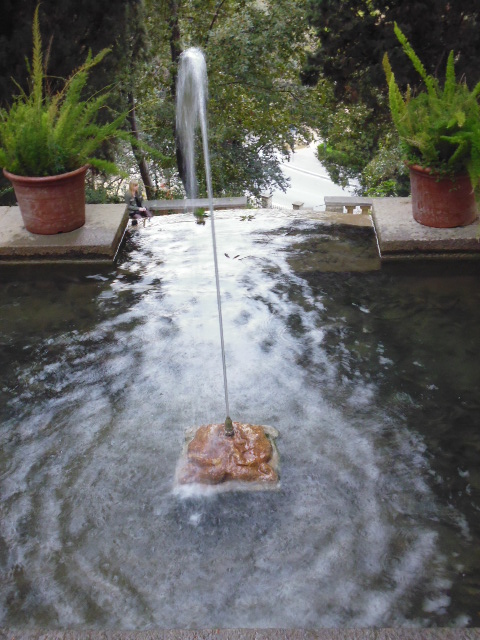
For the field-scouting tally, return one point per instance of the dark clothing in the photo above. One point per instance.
(134, 203)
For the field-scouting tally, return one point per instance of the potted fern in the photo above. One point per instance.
(47, 142)
(439, 130)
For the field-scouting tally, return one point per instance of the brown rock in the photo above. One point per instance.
(212, 457)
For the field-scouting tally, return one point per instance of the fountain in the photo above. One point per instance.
(370, 374)
(236, 455)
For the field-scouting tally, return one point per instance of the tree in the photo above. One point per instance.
(255, 50)
(257, 105)
(73, 28)
(352, 37)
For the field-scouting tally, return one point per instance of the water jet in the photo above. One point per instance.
(233, 454)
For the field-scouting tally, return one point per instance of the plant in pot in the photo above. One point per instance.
(47, 142)
(439, 129)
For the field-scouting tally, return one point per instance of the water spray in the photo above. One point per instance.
(216, 453)
(191, 113)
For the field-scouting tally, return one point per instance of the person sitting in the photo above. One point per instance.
(134, 202)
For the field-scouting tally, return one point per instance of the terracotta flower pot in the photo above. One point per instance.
(441, 202)
(55, 204)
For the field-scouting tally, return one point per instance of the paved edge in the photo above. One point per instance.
(400, 237)
(404, 633)
(98, 241)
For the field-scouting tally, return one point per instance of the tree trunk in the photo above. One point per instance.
(139, 157)
(175, 52)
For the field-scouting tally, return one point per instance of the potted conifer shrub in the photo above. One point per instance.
(47, 142)
(439, 129)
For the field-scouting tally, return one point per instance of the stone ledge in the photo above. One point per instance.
(97, 241)
(181, 206)
(338, 203)
(399, 236)
(338, 218)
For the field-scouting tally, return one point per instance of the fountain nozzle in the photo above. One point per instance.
(229, 432)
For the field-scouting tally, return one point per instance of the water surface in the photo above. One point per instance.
(369, 375)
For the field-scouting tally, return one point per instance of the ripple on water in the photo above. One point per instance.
(91, 533)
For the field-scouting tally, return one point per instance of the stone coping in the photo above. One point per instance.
(355, 200)
(98, 241)
(402, 633)
(166, 206)
(400, 237)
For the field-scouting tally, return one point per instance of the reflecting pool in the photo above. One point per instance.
(370, 375)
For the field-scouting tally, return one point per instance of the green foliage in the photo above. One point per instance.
(350, 133)
(386, 173)
(254, 52)
(257, 104)
(440, 127)
(44, 134)
(101, 195)
(352, 36)
(349, 38)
